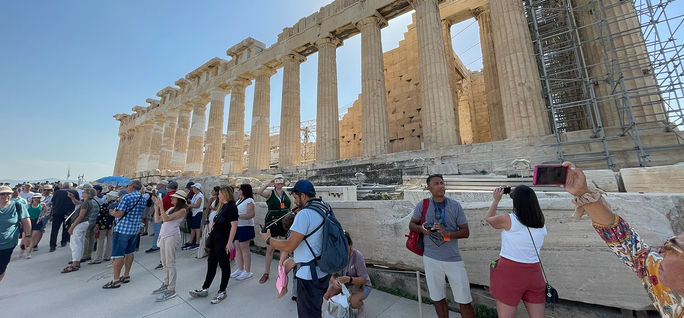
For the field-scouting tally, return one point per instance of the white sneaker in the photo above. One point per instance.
(219, 297)
(28, 256)
(236, 273)
(245, 275)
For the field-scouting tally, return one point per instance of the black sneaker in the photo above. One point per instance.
(52, 249)
(63, 244)
(152, 250)
(160, 266)
(193, 247)
(186, 246)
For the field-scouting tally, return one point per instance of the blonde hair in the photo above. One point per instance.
(227, 192)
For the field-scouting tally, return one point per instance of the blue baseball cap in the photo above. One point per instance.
(303, 186)
(97, 187)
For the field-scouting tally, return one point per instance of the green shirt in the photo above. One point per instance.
(34, 213)
(9, 230)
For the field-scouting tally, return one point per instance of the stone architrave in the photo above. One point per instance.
(327, 118)
(235, 133)
(259, 140)
(180, 144)
(375, 129)
(521, 92)
(193, 161)
(214, 140)
(144, 143)
(168, 140)
(290, 124)
(155, 142)
(439, 122)
(491, 77)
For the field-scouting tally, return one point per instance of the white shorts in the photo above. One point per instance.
(435, 274)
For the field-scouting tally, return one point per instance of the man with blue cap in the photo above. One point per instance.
(305, 236)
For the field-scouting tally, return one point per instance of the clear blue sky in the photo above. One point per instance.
(68, 66)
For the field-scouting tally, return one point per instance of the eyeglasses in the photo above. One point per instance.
(5, 193)
(672, 244)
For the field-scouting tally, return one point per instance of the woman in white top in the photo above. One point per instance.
(245, 232)
(169, 239)
(208, 215)
(517, 274)
(196, 206)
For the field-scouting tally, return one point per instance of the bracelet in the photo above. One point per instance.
(594, 195)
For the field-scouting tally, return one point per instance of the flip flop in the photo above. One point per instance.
(69, 269)
(125, 279)
(264, 278)
(112, 284)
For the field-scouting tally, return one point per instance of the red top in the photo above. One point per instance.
(166, 200)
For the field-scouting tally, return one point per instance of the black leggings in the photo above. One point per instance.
(217, 256)
(57, 225)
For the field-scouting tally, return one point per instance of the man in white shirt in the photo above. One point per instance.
(26, 192)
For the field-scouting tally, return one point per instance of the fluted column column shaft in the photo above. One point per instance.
(260, 140)
(129, 163)
(119, 154)
(193, 161)
(155, 143)
(144, 146)
(235, 133)
(494, 110)
(375, 129)
(439, 122)
(327, 118)
(168, 140)
(214, 140)
(519, 81)
(180, 147)
(290, 123)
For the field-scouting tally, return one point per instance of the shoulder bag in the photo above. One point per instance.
(414, 241)
(551, 293)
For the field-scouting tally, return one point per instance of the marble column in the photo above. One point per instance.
(193, 161)
(623, 28)
(290, 123)
(119, 154)
(214, 141)
(128, 164)
(519, 81)
(260, 140)
(491, 77)
(235, 133)
(144, 142)
(375, 129)
(327, 118)
(439, 122)
(464, 109)
(155, 142)
(180, 144)
(168, 140)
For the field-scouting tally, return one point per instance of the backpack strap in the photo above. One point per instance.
(313, 205)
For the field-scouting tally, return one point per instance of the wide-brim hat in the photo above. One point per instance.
(37, 196)
(47, 187)
(197, 185)
(6, 189)
(180, 194)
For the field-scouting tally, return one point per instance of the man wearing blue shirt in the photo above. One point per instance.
(129, 217)
(309, 292)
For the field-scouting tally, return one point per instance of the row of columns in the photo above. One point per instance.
(514, 96)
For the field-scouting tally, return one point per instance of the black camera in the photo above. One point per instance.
(428, 227)
(506, 190)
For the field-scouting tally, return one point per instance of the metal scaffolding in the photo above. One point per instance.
(612, 58)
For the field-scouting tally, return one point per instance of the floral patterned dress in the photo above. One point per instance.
(645, 261)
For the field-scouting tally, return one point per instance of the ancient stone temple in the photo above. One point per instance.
(419, 96)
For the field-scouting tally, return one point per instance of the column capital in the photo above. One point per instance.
(239, 83)
(328, 39)
(265, 71)
(376, 19)
(293, 56)
(218, 93)
(198, 104)
(478, 12)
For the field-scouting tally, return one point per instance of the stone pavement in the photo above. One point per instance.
(36, 287)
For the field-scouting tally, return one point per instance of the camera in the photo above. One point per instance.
(506, 190)
(428, 227)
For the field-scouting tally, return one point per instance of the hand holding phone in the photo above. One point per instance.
(263, 229)
(553, 174)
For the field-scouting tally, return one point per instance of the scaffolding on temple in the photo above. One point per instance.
(610, 68)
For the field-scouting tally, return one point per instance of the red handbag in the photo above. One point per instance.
(415, 240)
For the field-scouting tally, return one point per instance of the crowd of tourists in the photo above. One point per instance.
(101, 223)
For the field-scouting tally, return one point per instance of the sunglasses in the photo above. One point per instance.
(672, 244)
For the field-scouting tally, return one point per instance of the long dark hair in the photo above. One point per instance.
(181, 205)
(526, 207)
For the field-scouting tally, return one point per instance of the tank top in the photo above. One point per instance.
(171, 227)
(516, 244)
(34, 213)
(242, 210)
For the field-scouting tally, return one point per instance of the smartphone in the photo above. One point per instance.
(554, 174)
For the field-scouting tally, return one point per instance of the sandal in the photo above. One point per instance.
(112, 284)
(69, 269)
(125, 279)
(263, 278)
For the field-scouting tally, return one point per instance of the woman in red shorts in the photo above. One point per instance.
(516, 274)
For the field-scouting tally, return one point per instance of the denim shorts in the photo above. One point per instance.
(123, 244)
